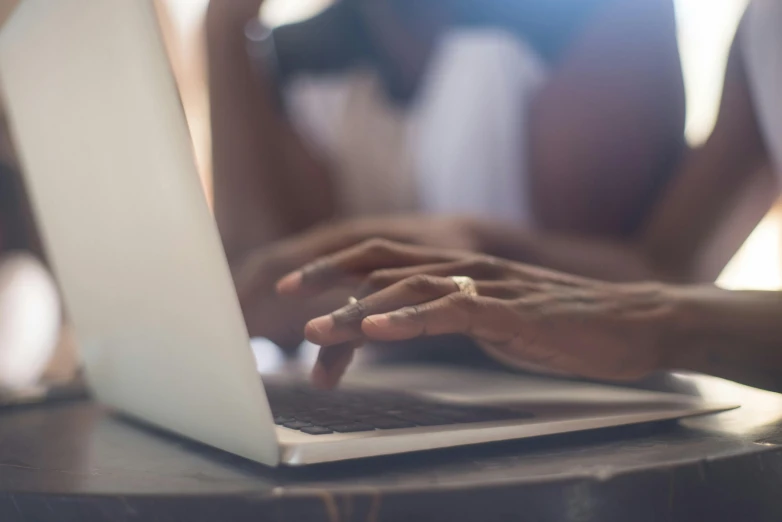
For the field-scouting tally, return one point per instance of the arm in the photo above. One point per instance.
(524, 315)
(693, 211)
(734, 335)
(703, 199)
(608, 126)
(695, 208)
(260, 164)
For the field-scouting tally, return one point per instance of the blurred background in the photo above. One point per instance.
(706, 29)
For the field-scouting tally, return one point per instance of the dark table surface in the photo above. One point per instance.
(76, 462)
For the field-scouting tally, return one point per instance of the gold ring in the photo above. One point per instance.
(466, 285)
(352, 300)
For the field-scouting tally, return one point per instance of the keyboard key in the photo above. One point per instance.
(351, 428)
(316, 430)
(297, 425)
(349, 411)
(304, 417)
(328, 420)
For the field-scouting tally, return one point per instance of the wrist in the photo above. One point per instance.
(662, 315)
(686, 319)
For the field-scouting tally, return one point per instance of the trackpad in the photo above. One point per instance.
(486, 386)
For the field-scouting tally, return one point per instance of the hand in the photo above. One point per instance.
(282, 318)
(522, 315)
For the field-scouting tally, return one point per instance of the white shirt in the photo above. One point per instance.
(762, 46)
(460, 148)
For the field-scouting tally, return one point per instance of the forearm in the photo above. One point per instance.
(590, 257)
(267, 183)
(734, 335)
(676, 245)
(238, 134)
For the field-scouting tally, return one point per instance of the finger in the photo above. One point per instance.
(264, 266)
(495, 289)
(360, 259)
(345, 324)
(251, 275)
(507, 336)
(477, 267)
(453, 314)
(332, 363)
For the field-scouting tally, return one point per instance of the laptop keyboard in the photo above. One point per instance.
(317, 412)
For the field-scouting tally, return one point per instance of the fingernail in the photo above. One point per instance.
(317, 329)
(290, 283)
(379, 321)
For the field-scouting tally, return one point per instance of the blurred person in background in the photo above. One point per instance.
(558, 116)
(525, 316)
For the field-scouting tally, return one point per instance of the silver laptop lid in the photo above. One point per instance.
(110, 169)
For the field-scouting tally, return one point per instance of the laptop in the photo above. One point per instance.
(109, 166)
